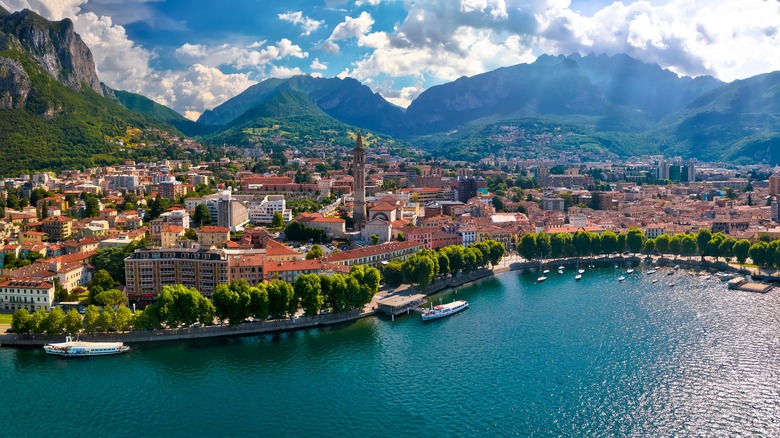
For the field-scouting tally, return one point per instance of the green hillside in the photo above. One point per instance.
(154, 110)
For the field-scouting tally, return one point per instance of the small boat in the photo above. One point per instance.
(580, 271)
(616, 266)
(676, 267)
(621, 278)
(578, 277)
(541, 279)
(726, 276)
(546, 271)
(670, 272)
(629, 271)
(560, 269)
(71, 348)
(671, 284)
(655, 280)
(443, 310)
(651, 272)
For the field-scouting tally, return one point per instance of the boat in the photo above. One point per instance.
(443, 310)
(726, 276)
(578, 277)
(71, 348)
(630, 271)
(546, 271)
(541, 279)
(560, 269)
(676, 267)
(655, 280)
(671, 284)
(670, 272)
(651, 272)
(621, 278)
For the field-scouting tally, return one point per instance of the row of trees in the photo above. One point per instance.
(301, 232)
(57, 321)
(704, 243)
(278, 299)
(422, 267)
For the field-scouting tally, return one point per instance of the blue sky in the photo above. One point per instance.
(194, 55)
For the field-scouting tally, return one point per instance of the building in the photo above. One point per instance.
(553, 204)
(213, 236)
(467, 188)
(290, 271)
(147, 271)
(247, 267)
(230, 213)
(170, 236)
(359, 173)
(171, 189)
(333, 226)
(774, 185)
(26, 293)
(263, 212)
(375, 255)
(58, 228)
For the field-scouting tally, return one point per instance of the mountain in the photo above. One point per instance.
(740, 120)
(611, 93)
(154, 110)
(285, 117)
(346, 100)
(54, 113)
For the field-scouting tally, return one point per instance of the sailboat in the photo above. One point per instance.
(542, 275)
(579, 270)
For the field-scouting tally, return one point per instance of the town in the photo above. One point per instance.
(283, 214)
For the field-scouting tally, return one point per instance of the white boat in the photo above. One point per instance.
(580, 271)
(651, 272)
(726, 276)
(630, 271)
(560, 270)
(541, 279)
(578, 277)
(71, 348)
(621, 278)
(443, 310)
(546, 271)
(655, 280)
(671, 284)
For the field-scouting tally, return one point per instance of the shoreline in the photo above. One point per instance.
(287, 325)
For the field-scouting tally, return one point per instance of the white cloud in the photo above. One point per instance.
(349, 28)
(239, 57)
(285, 72)
(317, 65)
(309, 25)
(360, 3)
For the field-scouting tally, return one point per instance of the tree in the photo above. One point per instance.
(103, 279)
(543, 244)
(758, 252)
(277, 221)
(258, 303)
(73, 322)
(688, 245)
(190, 234)
(393, 272)
(621, 242)
(314, 253)
(702, 239)
(443, 262)
(401, 237)
(123, 320)
(307, 289)
(91, 315)
(227, 304)
(498, 204)
(374, 239)
(527, 246)
(649, 246)
(280, 295)
(110, 298)
(106, 318)
(662, 244)
(54, 323)
(609, 242)
(201, 215)
(634, 239)
(21, 321)
(557, 244)
(92, 206)
(582, 242)
(741, 250)
(675, 244)
(111, 260)
(418, 269)
(339, 300)
(177, 305)
(369, 279)
(38, 321)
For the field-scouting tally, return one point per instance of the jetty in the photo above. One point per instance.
(397, 304)
(741, 283)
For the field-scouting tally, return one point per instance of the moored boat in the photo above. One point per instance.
(621, 278)
(443, 310)
(629, 271)
(651, 272)
(71, 348)
(578, 277)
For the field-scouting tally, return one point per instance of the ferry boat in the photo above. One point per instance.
(443, 310)
(71, 348)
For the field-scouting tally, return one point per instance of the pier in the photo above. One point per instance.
(398, 304)
(749, 286)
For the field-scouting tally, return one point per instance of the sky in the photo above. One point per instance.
(193, 55)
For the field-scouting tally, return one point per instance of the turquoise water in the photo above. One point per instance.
(588, 358)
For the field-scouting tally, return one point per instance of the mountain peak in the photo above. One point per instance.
(55, 46)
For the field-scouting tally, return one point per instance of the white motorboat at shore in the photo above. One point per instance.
(443, 310)
(71, 348)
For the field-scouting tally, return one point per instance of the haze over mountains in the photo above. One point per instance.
(54, 111)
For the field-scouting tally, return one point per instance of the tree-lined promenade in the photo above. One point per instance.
(764, 253)
(179, 306)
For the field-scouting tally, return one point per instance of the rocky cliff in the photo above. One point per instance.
(54, 46)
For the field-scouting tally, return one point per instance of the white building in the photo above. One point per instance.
(263, 212)
(28, 293)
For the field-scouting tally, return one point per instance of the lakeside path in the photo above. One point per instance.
(511, 263)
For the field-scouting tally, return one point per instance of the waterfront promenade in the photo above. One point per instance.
(510, 263)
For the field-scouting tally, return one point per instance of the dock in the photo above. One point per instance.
(749, 286)
(398, 304)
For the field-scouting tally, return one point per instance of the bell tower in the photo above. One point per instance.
(359, 174)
